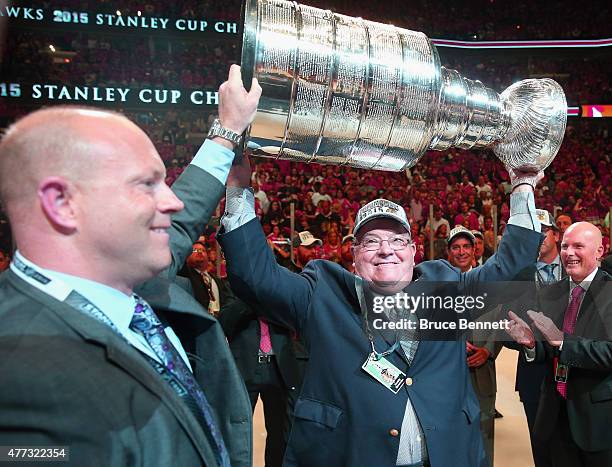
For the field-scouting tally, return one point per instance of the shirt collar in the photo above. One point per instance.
(202, 272)
(116, 305)
(556, 261)
(586, 283)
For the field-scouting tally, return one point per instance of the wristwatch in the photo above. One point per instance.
(216, 129)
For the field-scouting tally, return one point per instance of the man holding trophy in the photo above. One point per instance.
(344, 416)
(340, 90)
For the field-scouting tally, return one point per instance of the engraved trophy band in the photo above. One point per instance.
(347, 91)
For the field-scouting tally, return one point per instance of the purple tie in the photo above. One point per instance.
(146, 323)
(569, 324)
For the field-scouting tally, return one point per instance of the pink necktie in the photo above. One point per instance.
(569, 324)
(265, 344)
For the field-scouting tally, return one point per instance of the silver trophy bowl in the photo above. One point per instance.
(346, 91)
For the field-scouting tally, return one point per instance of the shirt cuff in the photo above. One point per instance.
(239, 207)
(530, 354)
(214, 159)
(523, 211)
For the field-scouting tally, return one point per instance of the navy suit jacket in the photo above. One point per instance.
(343, 417)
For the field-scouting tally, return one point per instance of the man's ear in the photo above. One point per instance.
(56, 196)
(600, 252)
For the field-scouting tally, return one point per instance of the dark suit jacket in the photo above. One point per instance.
(588, 353)
(484, 378)
(241, 327)
(606, 264)
(68, 379)
(529, 375)
(199, 290)
(343, 417)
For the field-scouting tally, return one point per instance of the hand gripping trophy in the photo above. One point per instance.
(346, 91)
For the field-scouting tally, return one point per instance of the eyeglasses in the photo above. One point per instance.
(374, 243)
(197, 250)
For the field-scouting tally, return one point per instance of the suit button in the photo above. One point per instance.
(394, 432)
(408, 381)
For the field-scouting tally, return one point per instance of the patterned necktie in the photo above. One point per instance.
(569, 324)
(265, 344)
(549, 270)
(208, 285)
(146, 323)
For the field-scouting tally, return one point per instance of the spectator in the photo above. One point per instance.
(306, 247)
(563, 221)
(478, 248)
(320, 194)
(324, 218)
(275, 215)
(347, 253)
(437, 220)
(261, 195)
(332, 247)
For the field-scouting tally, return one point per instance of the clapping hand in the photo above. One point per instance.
(520, 331)
(547, 327)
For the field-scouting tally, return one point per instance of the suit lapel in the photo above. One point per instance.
(590, 321)
(123, 355)
(554, 301)
(383, 340)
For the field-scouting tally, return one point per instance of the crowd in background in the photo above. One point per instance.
(464, 187)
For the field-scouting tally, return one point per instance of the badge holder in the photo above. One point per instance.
(561, 372)
(383, 371)
(376, 365)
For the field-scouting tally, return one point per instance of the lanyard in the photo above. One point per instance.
(367, 330)
(65, 294)
(61, 292)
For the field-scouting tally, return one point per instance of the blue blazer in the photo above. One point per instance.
(343, 417)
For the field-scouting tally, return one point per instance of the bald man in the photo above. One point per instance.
(572, 334)
(121, 378)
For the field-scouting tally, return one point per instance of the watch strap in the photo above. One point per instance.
(216, 129)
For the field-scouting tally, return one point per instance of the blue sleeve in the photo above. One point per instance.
(281, 295)
(518, 249)
(214, 159)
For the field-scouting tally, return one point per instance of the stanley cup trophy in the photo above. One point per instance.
(346, 91)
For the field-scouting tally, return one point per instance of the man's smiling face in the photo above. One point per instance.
(581, 248)
(461, 253)
(388, 269)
